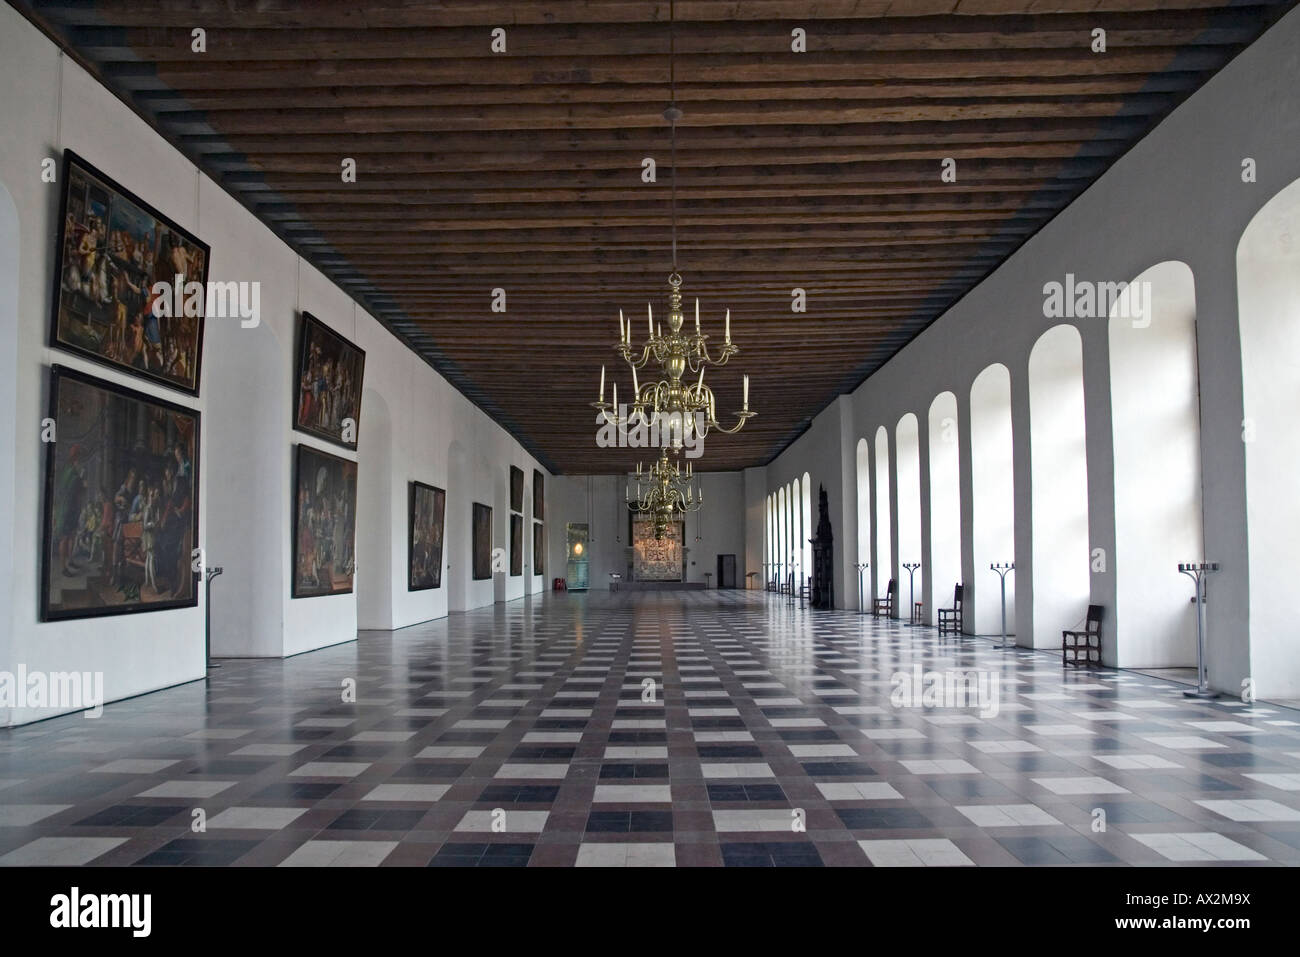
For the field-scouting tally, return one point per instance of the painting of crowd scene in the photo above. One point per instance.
(428, 508)
(324, 524)
(481, 540)
(120, 502)
(113, 251)
(328, 387)
(516, 545)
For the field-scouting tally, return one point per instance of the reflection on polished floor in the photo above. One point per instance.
(687, 728)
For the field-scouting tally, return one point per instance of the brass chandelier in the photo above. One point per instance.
(669, 399)
(669, 493)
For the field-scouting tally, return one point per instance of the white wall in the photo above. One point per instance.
(1176, 195)
(247, 443)
(1268, 269)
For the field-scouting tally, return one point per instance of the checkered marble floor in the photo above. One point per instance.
(655, 729)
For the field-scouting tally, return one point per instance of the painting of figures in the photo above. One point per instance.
(516, 545)
(115, 256)
(428, 507)
(324, 524)
(121, 501)
(516, 489)
(539, 552)
(482, 541)
(328, 386)
(539, 496)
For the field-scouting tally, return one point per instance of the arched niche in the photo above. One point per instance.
(1155, 425)
(884, 536)
(1059, 484)
(1268, 291)
(945, 501)
(907, 443)
(993, 502)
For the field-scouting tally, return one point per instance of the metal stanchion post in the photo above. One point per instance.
(209, 574)
(1002, 568)
(861, 567)
(1197, 572)
(911, 590)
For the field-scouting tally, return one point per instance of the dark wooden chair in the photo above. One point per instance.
(887, 604)
(950, 619)
(1083, 648)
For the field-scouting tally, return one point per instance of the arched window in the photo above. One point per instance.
(809, 528)
(945, 502)
(993, 502)
(907, 440)
(1155, 424)
(1268, 291)
(1059, 485)
(884, 537)
(864, 517)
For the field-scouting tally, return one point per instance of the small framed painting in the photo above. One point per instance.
(516, 545)
(424, 537)
(516, 489)
(327, 384)
(324, 524)
(482, 543)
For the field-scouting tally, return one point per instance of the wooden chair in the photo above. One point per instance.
(887, 604)
(950, 619)
(1085, 643)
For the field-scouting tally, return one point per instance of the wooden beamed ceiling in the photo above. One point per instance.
(522, 170)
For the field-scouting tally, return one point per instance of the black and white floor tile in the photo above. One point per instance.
(654, 729)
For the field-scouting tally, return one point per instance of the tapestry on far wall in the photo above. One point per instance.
(657, 559)
(324, 524)
(327, 385)
(121, 501)
(425, 525)
(539, 552)
(516, 489)
(516, 545)
(539, 495)
(114, 257)
(482, 542)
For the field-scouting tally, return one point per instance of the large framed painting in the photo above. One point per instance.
(327, 384)
(539, 495)
(130, 286)
(482, 541)
(516, 489)
(516, 545)
(539, 549)
(121, 501)
(324, 524)
(424, 542)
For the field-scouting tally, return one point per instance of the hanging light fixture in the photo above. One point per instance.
(668, 493)
(670, 399)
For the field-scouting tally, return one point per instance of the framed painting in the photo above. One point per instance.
(130, 286)
(539, 549)
(327, 384)
(516, 545)
(539, 495)
(482, 542)
(424, 537)
(516, 489)
(324, 524)
(121, 501)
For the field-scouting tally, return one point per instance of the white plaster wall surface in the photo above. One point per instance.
(1177, 195)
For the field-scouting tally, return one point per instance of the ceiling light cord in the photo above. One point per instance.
(672, 119)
